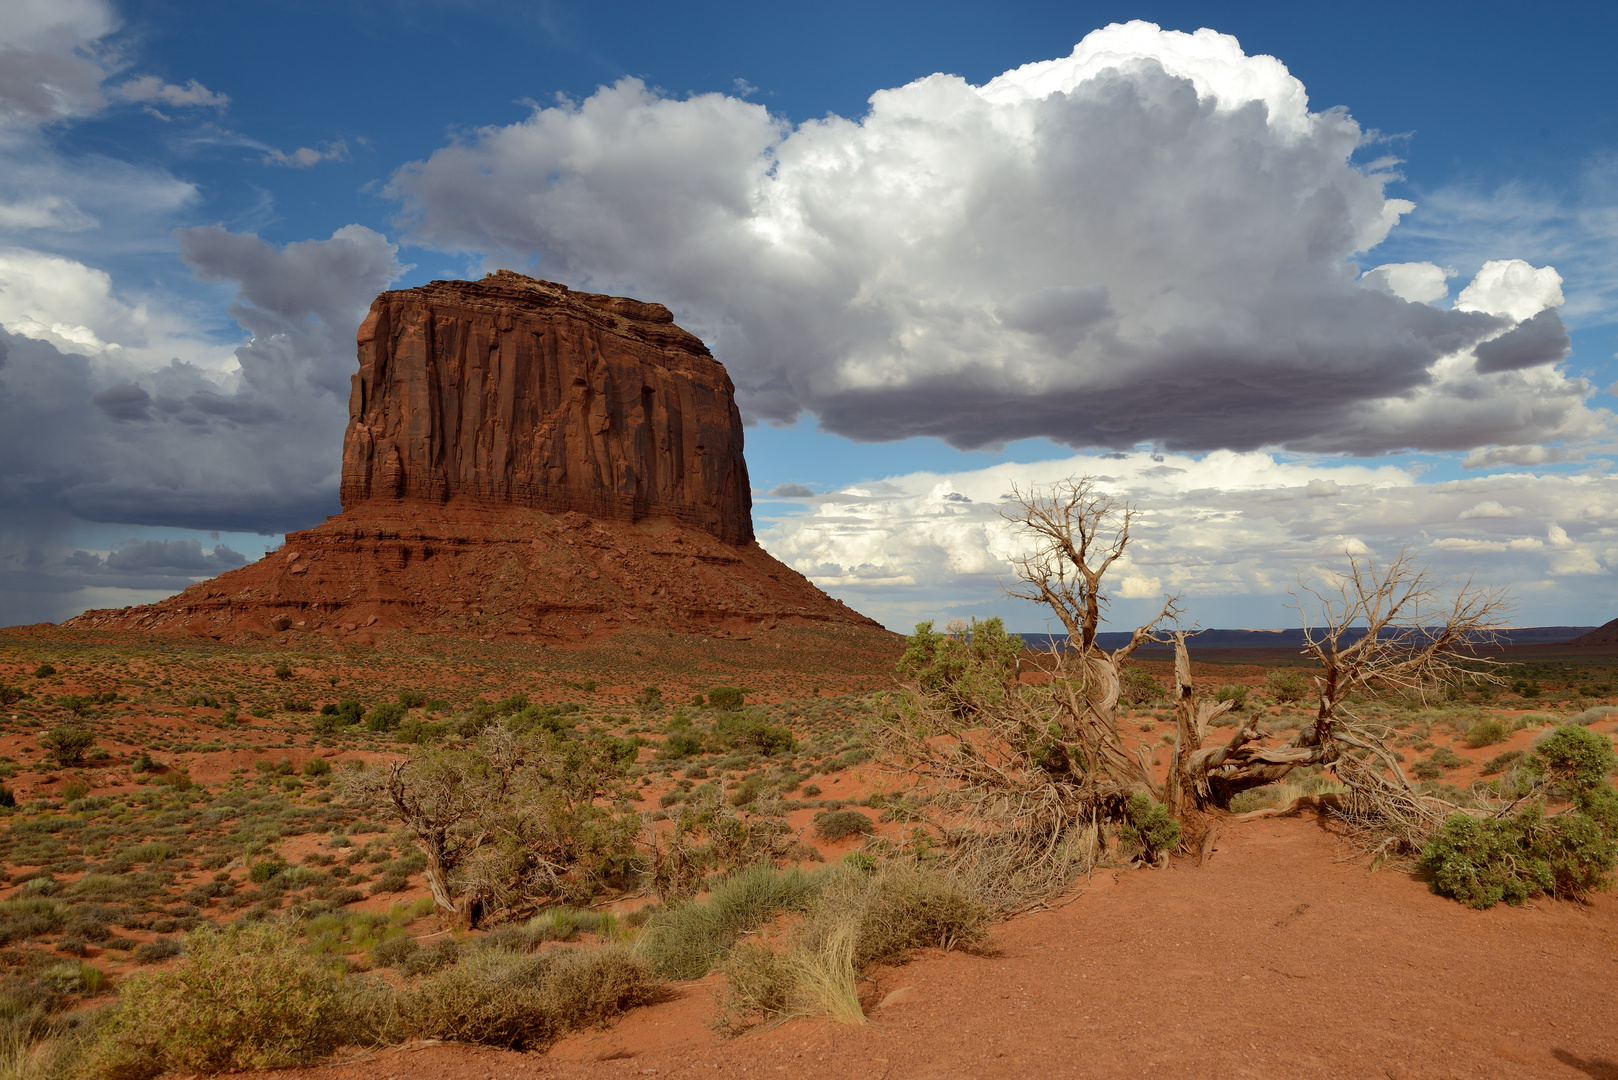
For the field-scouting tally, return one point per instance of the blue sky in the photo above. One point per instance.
(370, 145)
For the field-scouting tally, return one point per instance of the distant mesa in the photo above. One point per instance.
(1605, 635)
(524, 461)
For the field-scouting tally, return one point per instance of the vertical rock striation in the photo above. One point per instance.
(516, 392)
(523, 461)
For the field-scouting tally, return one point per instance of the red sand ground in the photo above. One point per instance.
(1283, 956)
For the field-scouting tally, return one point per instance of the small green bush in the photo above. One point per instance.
(317, 766)
(1138, 686)
(751, 730)
(1502, 761)
(384, 717)
(1445, 758)
(1236, 694)
(1486, 733)
(283, 671)
(682, 742)
(244, 998)
(66, 744)
(685, 942)
(157, 951)
(267, 869)
(44, 671)
(1482, 862)
(728, 698)
(834, 825)
(493, 997)
(1286, 685)
(1149, 827)
(1426, 770)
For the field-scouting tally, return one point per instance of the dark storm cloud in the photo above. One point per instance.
(1539, 340)
(255, 451)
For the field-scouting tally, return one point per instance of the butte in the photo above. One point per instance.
(527, 462)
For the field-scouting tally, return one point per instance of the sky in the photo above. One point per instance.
(1299, 282)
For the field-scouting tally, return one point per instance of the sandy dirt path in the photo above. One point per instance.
(1284, 956)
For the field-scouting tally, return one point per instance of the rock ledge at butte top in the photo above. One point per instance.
(521, 461)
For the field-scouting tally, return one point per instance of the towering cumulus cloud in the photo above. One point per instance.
(1147, 240)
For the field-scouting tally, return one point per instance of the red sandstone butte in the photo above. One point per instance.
(521, 461)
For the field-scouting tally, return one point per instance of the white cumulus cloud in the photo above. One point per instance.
(1232, 532)
(1148, 240)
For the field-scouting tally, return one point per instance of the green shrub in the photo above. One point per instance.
(267, 869)
(1486, 733)
(862, 917)
(317, 766)
(1445, 758)
(244, 998)
(384, 717)
(44, 671)
(1482, 862)
(494, 997)
(682, 742)
(158, 950)
(66, 745)
(685, 942)
(728, 698)
(1574, 757)
(10, 695)
(283, 671)
(394, 951)
(1236, 694)
(1286, 685)
(751, 730)
(834, 825)
(1426, 770)
(412, 699)
(1149, 827)
(1502, 761)
(1138, 686)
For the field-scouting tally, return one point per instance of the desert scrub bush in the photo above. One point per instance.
(727, 698)
(495, 997)
(860, 918)
(1235, 693)
(244, 998)
(1512, 857)
(686, 941)
(1502, 761)
(66, 744)
(1149, 828)
(1137, 686)
(1445, 758)
(1486, 733)
(1593, 715)
(834, 825)
(1286, 685)
(750, 730)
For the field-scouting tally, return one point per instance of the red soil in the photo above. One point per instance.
(1283, 956)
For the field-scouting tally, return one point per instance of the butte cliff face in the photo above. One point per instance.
(521, 461)
(516, 392)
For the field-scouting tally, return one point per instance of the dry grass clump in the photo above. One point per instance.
(686, 941)
(246, 998)
(859, 919)
(496, 997)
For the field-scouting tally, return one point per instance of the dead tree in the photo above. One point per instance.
(1019, 771)
(1372, 630)
(1013, 768)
